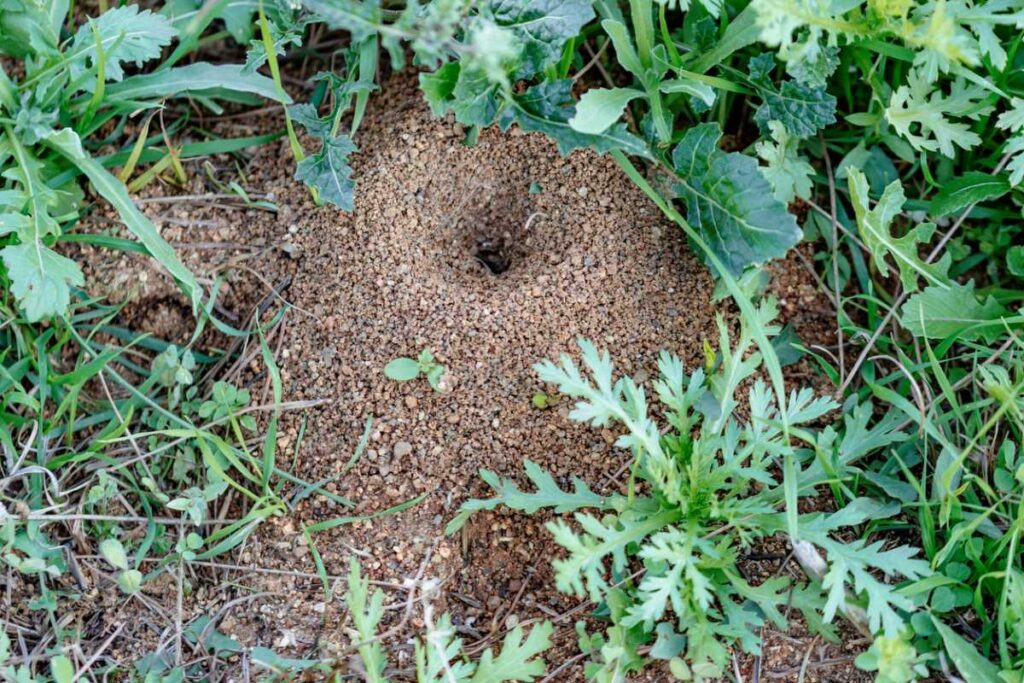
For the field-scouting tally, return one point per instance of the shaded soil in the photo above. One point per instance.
(495, 257)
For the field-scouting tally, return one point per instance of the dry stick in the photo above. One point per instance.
(835, 256)
(903, 295)
(96, 655)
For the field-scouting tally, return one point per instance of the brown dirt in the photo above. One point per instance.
(588, 256)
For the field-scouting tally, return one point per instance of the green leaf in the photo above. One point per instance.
(970, 188)
(474, 98)
(542, 26)
(306, 115)
(788, 173)
(875, 229)
(195, 78)
(121, 34)
(329, 172)
(802, 109)
(548, 107)
(110, 188)
(547, 495)
(439, 87)
(730, 203)
(62, 670)
(926, 109)
(518, 660)
(1015, 261)
(623, 44)
(969, 662)
(113, 552)
(130, 581)
(366, 612)
(600, 108)
(40, 279)
(402, 369)
(939, 313)
(361, 19)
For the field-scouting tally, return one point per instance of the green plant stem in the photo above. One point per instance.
(643, 29)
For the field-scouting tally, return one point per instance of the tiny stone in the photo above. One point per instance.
(402, 449)
(411, 402)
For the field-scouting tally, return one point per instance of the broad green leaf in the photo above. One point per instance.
(360, 19)
(729, 202)
(969, 662)
(600, 108)
(121, 34)
(875, 227)
(474, 98)
(130, 581)
(328, 171)
(195, 78)
(40, 279)
(439, 87)
(970, 188)
(62, 670)
(110, 188)
(547, 107)
(542, 26)
(113, 552)
(402, 369)
(802, 109)
(940, 313)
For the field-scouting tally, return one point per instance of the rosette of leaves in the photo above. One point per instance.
(662, 559)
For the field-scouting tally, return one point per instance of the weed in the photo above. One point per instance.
(404, 369)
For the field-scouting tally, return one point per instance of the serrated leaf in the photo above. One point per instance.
(788, 173)
(542, 26)
(599, 109)
(969, 662)
(970, 188)
(875, 227)
(802, 109)
(547, 495)
(919, 105)
(306, 115)
(729, 202)
(329, 173)
(547, 107)
(940, 313)
(40, 279)
(121, 34)
(519, 658)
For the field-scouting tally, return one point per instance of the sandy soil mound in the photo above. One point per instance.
(495, 257)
